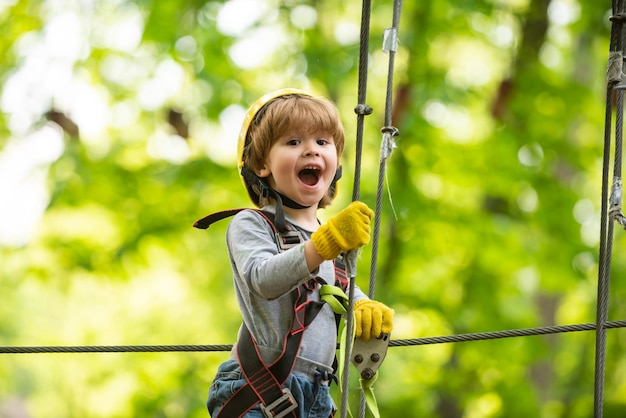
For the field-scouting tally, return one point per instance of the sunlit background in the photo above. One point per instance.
(118, 130)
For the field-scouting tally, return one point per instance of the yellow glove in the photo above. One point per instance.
(372, 318)
(348, 230)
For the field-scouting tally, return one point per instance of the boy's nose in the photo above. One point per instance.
(312, 149)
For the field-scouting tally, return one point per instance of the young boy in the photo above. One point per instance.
(290, 147)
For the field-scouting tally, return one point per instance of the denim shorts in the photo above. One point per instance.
(313, 398)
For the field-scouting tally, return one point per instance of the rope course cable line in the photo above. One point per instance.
(614, 99)
(361, 110)
(390, 43)
(611, 211)
(444, 339)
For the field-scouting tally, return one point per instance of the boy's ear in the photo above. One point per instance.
(263, 171)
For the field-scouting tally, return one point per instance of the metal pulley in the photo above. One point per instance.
(367, 356)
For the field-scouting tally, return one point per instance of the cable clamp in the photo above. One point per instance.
(615, 201)
(620, 18)
(390, 40)
(388, 143)
(363, 109)
(614, 71)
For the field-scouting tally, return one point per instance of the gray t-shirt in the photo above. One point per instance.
(264, 278)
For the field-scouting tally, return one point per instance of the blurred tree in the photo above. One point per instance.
(118, 130)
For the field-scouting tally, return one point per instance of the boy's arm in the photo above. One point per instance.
(257, 263)
(313, 258)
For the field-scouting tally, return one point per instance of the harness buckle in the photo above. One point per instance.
(287, 401)
(288, 239)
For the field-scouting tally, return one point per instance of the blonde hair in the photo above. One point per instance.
(285, 113)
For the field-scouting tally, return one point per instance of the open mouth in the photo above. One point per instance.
(309, 175)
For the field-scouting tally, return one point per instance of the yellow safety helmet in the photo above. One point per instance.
(249, 178)
(252, 112)
(256, 186)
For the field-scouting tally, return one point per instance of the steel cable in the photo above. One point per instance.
(361, 110)
(614, 75)
(444, 339)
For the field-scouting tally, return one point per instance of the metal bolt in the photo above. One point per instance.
(375, 357)
(367, 374)
(358, 358)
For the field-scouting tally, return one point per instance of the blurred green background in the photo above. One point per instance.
(118, 130)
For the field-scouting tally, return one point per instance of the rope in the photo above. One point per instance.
(115, 349)
(456, 338)
(390, 45)
(492, 335)
(614, 75)
(361, 109)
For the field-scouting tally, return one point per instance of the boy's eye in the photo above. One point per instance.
(293, 141)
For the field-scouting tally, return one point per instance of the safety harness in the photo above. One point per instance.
(264, 382)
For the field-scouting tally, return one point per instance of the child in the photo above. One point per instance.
(289, 148)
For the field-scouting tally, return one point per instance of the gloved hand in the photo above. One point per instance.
(372, 318)
(348, 230)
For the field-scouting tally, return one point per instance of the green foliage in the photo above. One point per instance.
(492, 221)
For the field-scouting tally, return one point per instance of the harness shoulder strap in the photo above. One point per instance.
(264, 383)
(211, 218)
(278, 222)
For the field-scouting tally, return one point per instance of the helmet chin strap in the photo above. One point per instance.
(281, 199)
(266, 191)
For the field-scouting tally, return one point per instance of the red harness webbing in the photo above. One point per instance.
(264, 383)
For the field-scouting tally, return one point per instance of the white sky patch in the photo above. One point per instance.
(64, 37)
(167, 81)
(120, 70)
(5, 4)
(527, 199)
(436, 114)
(254, 49)
(237, 16)
(303, 17)
(530, 155)
(460, 129)
(563, 12)
(584, 211)
(528, 279)
(24, 166)
(172, 148)
(119, 31)
(347, 33)
(550, 56)
(124, 114)
(454, 120)
(186, 47)
(471, 68)
(221, 140)
(89, 109)
(45, 72)
(503, 36)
